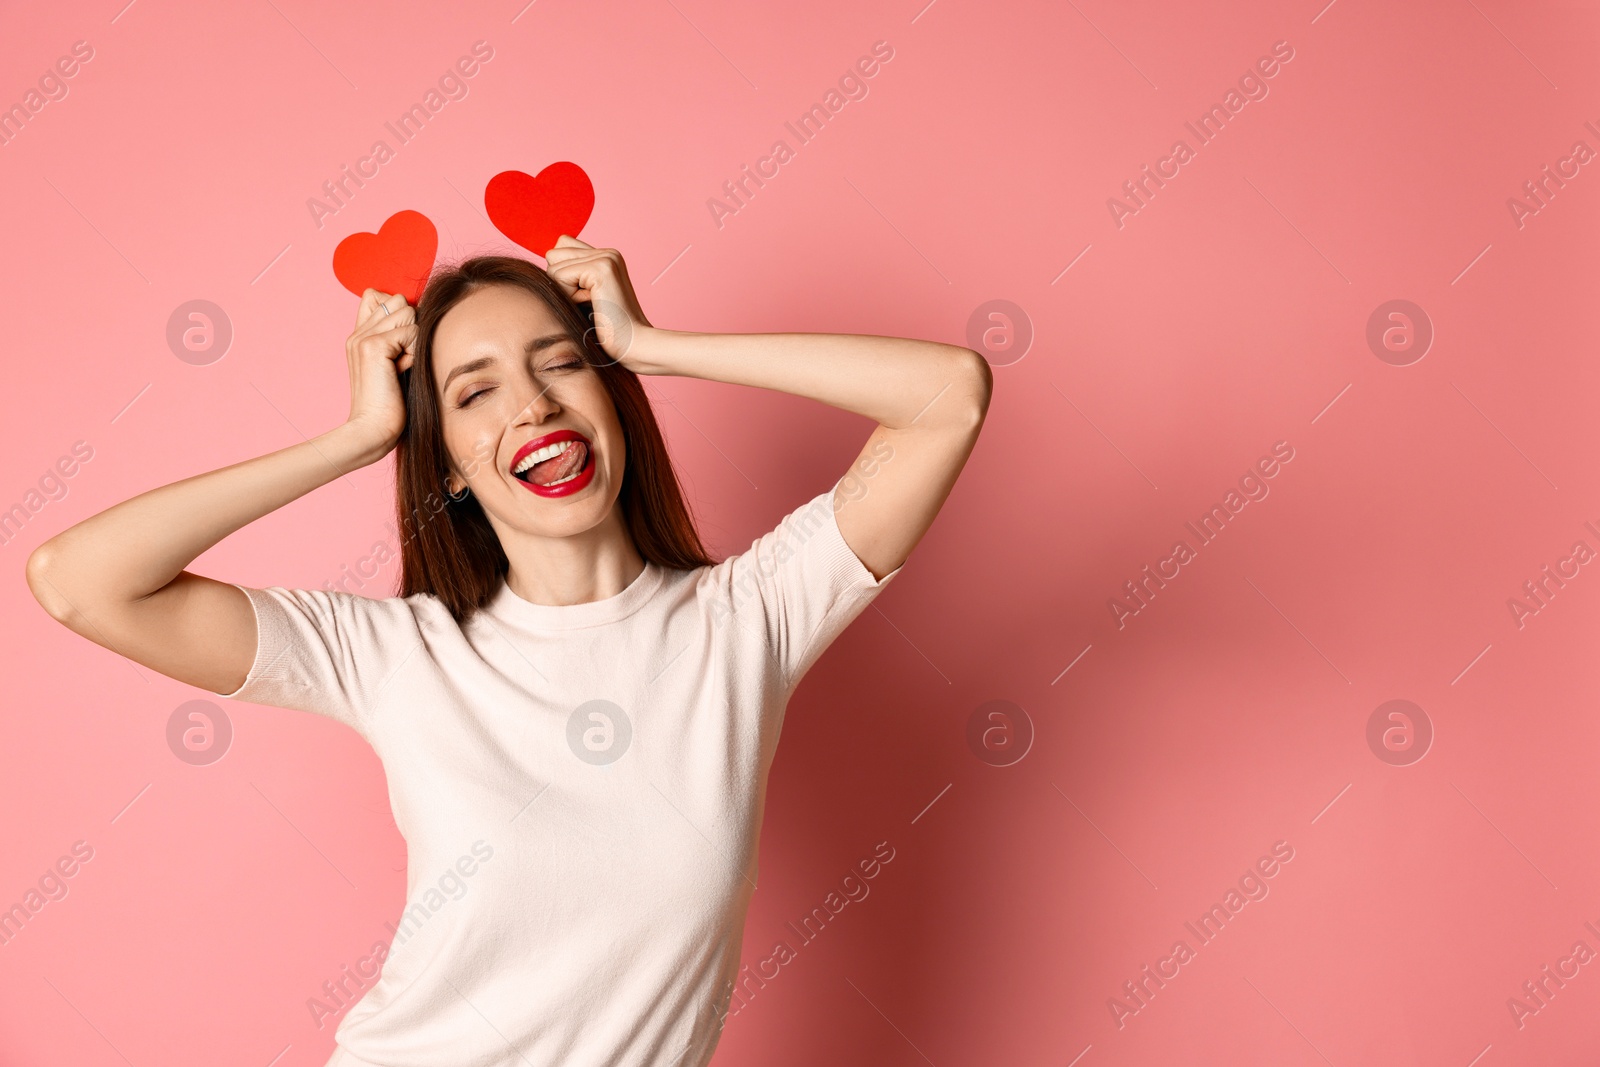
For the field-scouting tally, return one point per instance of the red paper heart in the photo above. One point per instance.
(396, 259)
(534, 211)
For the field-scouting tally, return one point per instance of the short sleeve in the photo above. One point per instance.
(801, 584)
(323, 651)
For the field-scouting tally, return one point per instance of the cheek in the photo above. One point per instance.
(603, 417)
(470, 439)
(616, 448)
(478, 457)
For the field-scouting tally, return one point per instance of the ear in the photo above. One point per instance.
(396, 259)
(454, 483)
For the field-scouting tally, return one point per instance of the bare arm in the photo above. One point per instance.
(118, 577)
(929, 399)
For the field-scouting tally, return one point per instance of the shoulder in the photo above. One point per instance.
(351, 617)
(333, 652)
(793, 574)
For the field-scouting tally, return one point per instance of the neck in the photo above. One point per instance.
(596, 564)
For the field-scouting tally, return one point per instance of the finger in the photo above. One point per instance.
(399, 336)
(569, 253)
(408, 351)
(368, 305)
(569, 282)
(375, 309)
(386, 344)
(576, 255)
(393, 304)
(399, 314)
(585, 273)
(406, 336)
(574, 252)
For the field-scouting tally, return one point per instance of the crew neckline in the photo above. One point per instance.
(506, 604)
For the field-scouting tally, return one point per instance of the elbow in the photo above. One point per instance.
(41, 570)
(979, 386)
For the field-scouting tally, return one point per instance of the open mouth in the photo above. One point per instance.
(556, 463)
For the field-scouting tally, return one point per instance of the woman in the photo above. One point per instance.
(576, 710)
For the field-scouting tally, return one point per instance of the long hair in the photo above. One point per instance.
(448, 549)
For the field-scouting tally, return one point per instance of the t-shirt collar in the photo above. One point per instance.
(510, 607)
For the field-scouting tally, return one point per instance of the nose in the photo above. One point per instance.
(535, 404)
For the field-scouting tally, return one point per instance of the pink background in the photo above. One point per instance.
(1228, 314)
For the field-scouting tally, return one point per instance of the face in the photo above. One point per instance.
(527, 424)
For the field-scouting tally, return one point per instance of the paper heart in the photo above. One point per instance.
(534, 211)
(396, 259)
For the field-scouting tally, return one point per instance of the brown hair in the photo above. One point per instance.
(448, 549)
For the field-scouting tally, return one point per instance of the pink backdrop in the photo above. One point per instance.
(1176, 341)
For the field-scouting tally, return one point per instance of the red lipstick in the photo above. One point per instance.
(574, 483)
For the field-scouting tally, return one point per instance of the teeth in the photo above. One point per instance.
(568, 478)
(542, 454)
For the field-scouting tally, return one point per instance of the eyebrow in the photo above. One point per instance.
(538, 344)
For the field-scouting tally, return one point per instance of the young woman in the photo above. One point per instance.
(575, 708)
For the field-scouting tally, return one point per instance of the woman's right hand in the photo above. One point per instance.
(380, 347)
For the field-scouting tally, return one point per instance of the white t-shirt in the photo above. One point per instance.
(580, 789)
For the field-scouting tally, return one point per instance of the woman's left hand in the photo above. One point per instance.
(599, 277)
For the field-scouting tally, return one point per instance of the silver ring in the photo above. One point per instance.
(384, 306)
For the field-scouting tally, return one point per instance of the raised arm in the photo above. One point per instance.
(118, 577)
(929, 399)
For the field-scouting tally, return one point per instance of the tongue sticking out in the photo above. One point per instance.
(568, 463)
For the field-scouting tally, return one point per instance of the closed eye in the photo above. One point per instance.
(574, 364)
